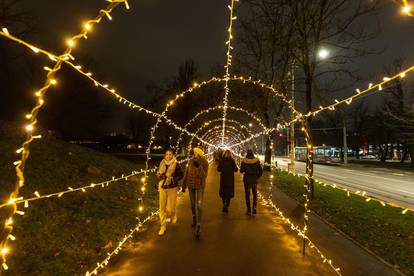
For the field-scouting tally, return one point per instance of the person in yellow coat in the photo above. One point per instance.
(195, 179)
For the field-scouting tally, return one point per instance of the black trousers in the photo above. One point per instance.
(247, 189)
(226, 202)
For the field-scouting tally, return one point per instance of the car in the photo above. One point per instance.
(368, 156)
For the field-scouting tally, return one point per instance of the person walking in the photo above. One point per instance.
(195, 179)
(168, 175)
(217, 155)
(252, 170)
(227, 167)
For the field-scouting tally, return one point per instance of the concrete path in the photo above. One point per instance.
(230, 244)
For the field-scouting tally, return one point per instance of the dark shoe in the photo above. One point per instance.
(254, 212)
(194, 223)
(224, 209)
(248, 212)
(198, 232)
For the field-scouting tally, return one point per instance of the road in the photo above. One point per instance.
(392, 185)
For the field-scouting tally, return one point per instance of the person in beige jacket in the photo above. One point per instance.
(168, 175)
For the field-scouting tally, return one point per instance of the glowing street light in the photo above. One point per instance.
(250, 124)
(407, 9)
(323, 53)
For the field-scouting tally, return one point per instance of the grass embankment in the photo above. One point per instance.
(393, 164)
(383, 230)
(68, 235)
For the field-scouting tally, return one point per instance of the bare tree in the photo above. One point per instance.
(301, 28)
(264, 47)
(399, 113)
(358, 120)
(187, 74)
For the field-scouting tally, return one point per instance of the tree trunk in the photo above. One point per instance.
(268, 150)
(268, 154)
(356, 151)
(309, 159)
(411, 151)
(384, 152)
(404, 155)
(308, 127)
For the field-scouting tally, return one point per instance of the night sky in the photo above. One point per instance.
(148, 42)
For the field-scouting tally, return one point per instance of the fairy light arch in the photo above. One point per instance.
(212, 109)
(234, 122)
(210, 142)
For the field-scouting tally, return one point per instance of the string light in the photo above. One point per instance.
(227, 67)
(19, 166)
(102, 184)
(212, 109)
(208, 124)
(209, 139)
(214, 132)
(138, 107)
(407, 8)
(348, 192)
(105, 262)
(269, 203)
(371, 88)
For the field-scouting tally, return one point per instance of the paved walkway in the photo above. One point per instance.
(230, 244)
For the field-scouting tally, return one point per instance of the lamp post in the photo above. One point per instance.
(322, 54)
(345, 145)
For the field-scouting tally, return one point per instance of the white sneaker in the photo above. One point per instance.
(162, 231)
(174, 220)
(168, 220)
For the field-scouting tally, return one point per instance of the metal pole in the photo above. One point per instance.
(291, 166)
(345, 146)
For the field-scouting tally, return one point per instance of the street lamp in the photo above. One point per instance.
(407, 9)
(250, 124)
(323, 53)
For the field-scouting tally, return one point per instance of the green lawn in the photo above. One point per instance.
(69, 235)
(383, 230)
(395, 164)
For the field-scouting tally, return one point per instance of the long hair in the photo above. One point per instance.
(227, 154)
(250, 154)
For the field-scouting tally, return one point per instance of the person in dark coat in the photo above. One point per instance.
(252, 170)
(217, 155)
(227, 167)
